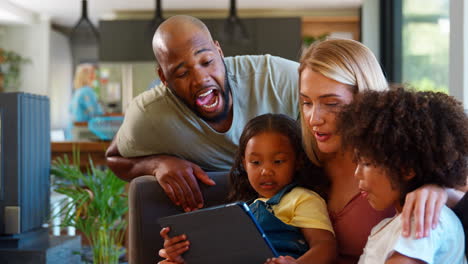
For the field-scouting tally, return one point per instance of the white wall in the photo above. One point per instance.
(61, 81)
(31, 41)
(49, 72)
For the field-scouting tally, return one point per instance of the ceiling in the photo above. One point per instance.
(67, 12)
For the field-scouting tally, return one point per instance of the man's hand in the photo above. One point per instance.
(178, 178)
(424, 204)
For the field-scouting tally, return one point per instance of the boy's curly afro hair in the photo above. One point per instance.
(408, 131)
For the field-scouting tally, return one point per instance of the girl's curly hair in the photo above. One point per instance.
(240, 188)
(408, 131)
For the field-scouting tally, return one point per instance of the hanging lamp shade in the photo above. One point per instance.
(84, 38)
(157, 18)
(84, 30)
(154, 24)
(234, 30)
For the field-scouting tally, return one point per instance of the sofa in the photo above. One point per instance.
(148, 202)
(461, 209)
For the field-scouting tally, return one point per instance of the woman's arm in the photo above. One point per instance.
(455, 195)
(398, 258)
(424, 206)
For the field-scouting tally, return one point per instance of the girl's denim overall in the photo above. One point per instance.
(286, 239)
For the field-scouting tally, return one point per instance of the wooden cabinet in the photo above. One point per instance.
(340, 25)
(130, 40)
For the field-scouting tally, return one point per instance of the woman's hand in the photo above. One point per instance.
(424, 204)
(173, 247)
(281, 260)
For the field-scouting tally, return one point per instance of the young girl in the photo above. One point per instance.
(265, 171)
(403, 140)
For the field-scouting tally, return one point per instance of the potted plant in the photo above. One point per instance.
(10, 63)
(97, 206)
(307, 40)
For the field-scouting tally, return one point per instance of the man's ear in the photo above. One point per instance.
(218, 47)
(161, 75)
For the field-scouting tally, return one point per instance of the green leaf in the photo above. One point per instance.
(96, 207)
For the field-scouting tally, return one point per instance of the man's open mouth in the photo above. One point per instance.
(209, 99)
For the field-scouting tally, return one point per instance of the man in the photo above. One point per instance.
(193, 121)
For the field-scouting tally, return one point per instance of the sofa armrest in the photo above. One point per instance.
(461, 209)
(148, 202)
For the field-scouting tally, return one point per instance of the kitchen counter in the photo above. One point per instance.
(94, 149)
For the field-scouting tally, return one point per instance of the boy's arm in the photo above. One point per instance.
(397, 258)
(322, 246)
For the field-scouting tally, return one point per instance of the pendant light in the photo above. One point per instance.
(84, 30)
(157, 18)
(234, 29)
(84, 39)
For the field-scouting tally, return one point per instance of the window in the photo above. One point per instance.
(425, 44)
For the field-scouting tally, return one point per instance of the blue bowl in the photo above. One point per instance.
(105, 127)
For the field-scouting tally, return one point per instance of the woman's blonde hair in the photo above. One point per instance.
(84, 75)
(345, 61)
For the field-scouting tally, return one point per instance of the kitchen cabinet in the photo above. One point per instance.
(349, 26)
(130, 40)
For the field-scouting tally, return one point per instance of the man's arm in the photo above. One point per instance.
(129, 168)
(176, 176)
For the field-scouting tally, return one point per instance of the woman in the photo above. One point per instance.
(84, 104)
(331, 73)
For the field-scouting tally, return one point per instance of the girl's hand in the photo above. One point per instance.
(166, 262)
(173, 247)
(424, 204)
(281, 260)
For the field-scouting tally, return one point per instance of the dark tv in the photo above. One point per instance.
(24, 168)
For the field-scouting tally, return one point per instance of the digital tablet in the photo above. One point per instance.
(222, 234)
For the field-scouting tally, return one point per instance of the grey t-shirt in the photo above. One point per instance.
(157, 122)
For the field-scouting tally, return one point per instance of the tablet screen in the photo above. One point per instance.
(222, 234)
